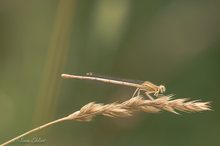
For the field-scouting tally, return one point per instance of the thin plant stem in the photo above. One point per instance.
(34, 130)
(57, 53)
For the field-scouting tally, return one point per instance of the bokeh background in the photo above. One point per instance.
(175, 43)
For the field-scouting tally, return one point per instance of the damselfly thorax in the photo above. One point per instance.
(147, 87)
(150, 88)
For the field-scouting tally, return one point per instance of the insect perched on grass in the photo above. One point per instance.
(146, 86)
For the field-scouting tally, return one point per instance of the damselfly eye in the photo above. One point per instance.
(162, 88)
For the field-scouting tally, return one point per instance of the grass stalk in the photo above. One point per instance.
(125, 109)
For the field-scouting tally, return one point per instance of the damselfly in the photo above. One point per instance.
(146, 86)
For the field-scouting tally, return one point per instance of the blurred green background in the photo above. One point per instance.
(175, 43)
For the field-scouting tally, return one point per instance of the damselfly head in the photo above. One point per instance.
(162, 88)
